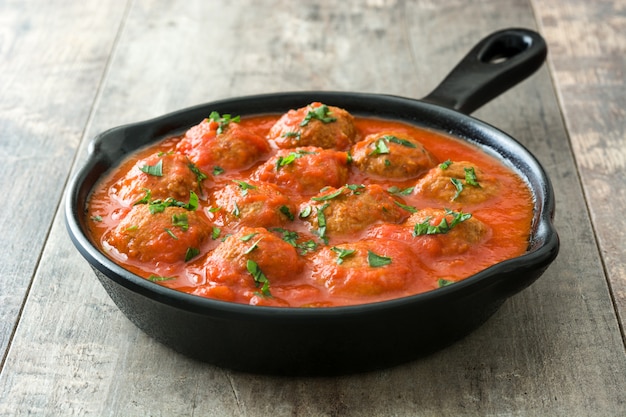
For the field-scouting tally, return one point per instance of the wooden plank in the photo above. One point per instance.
(554, 349)
(50, 69)
(589, 41)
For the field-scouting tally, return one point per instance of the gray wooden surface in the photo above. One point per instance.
(69, 70)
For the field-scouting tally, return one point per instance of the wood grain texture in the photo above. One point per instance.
(555, 349)
(589, 40)
(49, 74)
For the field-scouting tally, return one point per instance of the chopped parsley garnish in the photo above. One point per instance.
(380, 147)
(375, 260)
(445, 165)
(260, 280)
(157, 278)
(444, 282)
(247, 237)
(285, 210)
(305, 212)
(180, 220)
(244, 187)
(156, 169)
(321, 113)
(158, 206)
(398, 191)
(410, 209)
(330, 196)
(215, 232)
(321, 223)
(295, 135)
(470, 177)
(342, 253)
(96, 218)
(425, 228)
(399, 141)
(236, 211)
(191, 253)
(290, 158)
(291, 237)
(355, 188)
(459, 187)
(218, 170)
(200, 176)
(222, 121)
(169, 232)
(253, 247)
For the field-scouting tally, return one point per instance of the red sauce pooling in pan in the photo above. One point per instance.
(311, 208)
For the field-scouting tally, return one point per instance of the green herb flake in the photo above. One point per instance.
(330, 196)
(285, 211)
(444, 282)
(180, 220)
(445, 165)
(215, 232)
(425, 228)
(398, 191)
(308, 246)
(96, 218)
(157, 278)
(253, 247)
(470, 177)
(260, 280)
(342, 253)
(223, 121)
(321, 113)
(305, 212)
(399, 141)
(459, 187)
(218, 171)
(200, 176)
(169, 232)
(380, 147)
(236, 211)
(288, 236)
(244, 187)
(410, 209)
(191, 253)
(155, 170)
(247, 237)
(295, 135)
(375, 261)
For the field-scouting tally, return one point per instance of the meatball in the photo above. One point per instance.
(162, 175)
(459, 182)
(253, 204)
(305, 170)
(172, 235)
(368, 268)
(314, 125)
(392, 155)
(211, 145)
(248, 262)
(445, 232)
(351, 209)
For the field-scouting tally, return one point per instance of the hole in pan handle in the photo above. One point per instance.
(497, 63)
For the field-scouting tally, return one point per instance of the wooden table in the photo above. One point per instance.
(71, 69)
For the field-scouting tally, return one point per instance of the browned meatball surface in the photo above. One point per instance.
(305, 170)
(260, 204)
(350, 209)
(318, 125)
(392, 155)
(454, 232)
(211, 146)
(458, 182)
(168, 175)
(171, 235)
(369, 267)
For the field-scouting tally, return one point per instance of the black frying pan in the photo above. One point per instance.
(337, 340)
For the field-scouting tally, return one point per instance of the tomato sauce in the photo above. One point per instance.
(241, 211)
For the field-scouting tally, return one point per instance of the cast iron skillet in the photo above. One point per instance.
(338, 340)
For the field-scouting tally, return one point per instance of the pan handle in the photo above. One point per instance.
(497, 63)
